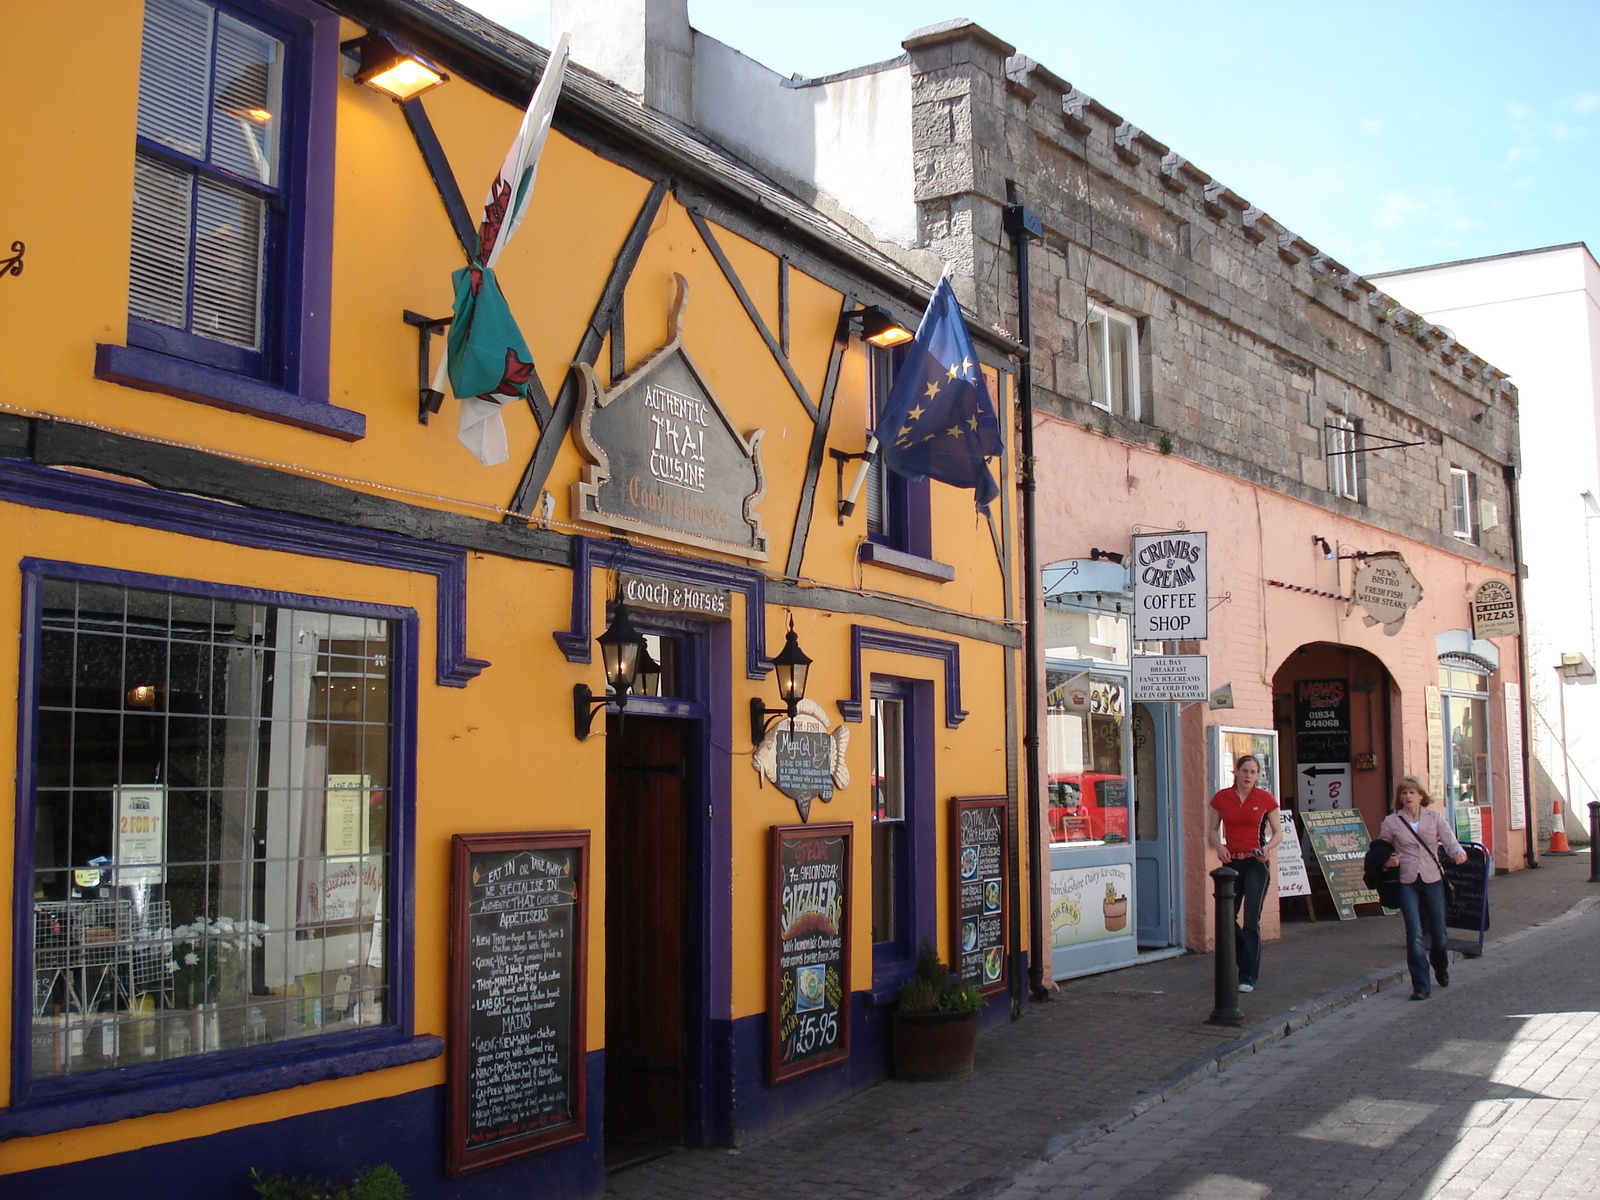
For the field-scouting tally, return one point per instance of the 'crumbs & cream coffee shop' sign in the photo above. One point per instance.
(1169, 586)
(663, 456)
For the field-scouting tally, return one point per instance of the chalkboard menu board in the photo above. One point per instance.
(518, 931)
(1339, 841)
(979, 879)
(805, 763)
(1469, 908)
(808, 987)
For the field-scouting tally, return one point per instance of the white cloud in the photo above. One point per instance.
(1372, 125)
(1584, 102)
(1520, 112)
(1395, 209)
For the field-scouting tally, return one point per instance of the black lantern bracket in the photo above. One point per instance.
(428, 400)
(585, 704)
(791, 665)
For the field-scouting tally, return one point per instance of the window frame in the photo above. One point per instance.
(288, 382)
(916, 899)
(1108, 316)
(1451, 693)
(1468, 492)
(907, 524)
(1342, 443)
(98, 1097)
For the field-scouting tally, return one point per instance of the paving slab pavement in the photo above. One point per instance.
(1077, 1067)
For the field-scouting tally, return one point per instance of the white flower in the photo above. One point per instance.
(171, 966)
(190, 959)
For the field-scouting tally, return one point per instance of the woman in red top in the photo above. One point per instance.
(1239, 812)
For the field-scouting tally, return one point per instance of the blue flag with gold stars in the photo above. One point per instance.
(939, 421)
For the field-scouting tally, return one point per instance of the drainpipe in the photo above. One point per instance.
(1530, 818)
(1023, 227)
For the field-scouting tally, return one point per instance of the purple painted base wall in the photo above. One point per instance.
(406, 1131)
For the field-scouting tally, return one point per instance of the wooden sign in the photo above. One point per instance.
(1339, 843)
(1387, 589)
(664, 456)
(1494, 610)
(808, 988)
(802, 759)
(685, 599)
(979, 839)
(517, 996)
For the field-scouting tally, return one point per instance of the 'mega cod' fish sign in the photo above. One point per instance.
(805, 762)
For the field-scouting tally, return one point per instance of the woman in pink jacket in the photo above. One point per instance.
(1418, 832)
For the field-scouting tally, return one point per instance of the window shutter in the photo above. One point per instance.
(174, 75)
(160, 260)
(227, 265)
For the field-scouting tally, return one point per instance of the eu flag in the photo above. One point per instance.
(939, 421)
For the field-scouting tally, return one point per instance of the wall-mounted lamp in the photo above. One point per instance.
(1098, 555)
(388, 65)
(881, 329)
(791, 666)
(620, 647)
(1324, 545)
(647, 682)
(142, 696)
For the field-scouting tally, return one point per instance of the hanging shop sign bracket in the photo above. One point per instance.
(1389, 443)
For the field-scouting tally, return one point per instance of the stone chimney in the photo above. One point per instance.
(644, 46)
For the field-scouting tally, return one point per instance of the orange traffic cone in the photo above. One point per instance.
(1558, 835)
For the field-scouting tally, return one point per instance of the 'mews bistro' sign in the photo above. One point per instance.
(1169, 587)
(664, 457)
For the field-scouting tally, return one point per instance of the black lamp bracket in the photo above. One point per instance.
(762, 717)
(847, 508)
(428, 400)
(585, 704)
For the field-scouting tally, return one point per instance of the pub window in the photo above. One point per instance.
(903, 890)
(213, 818)
(897, 509)
(1113, 362)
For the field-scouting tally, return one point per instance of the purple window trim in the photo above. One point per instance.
(587, 553)
(53, 1105)
(150, 371)
(41, 487)
(863, 637)
(918, 905)
(883, 555)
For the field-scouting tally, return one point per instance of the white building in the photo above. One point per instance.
(1536, 315)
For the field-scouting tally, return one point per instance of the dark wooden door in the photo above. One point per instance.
(646, 790)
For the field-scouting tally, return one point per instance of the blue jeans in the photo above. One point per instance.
(1423, 904)
(1252, 885)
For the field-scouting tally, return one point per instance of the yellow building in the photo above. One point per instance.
(287, 655)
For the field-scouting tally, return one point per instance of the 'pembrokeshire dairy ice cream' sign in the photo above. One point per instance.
(1169, 586)
(663, 456)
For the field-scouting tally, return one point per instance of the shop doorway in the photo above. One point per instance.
(649, 951)
(1155, 847)
(1333, 710)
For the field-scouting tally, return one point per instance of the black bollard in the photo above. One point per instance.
(1594, 841)
(1226, 1011)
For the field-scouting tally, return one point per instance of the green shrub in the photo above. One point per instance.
(934, 988)
(382, 1182)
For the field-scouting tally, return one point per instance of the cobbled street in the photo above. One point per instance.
(1489, 1089)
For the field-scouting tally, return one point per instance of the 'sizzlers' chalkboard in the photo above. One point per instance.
(518, 926)
(1469, 907)
(1339, 841)
(980, 882)
(808, 985)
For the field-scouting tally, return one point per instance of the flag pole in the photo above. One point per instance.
(847, 506)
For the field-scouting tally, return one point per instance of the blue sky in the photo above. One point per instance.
(1386, 134)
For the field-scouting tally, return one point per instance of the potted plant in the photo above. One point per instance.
(935, 1022)
(1116, 909)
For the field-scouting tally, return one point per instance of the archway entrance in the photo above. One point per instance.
(1334, 709)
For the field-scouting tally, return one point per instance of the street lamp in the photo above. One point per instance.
(386, 64)
(620, 647)
(791, 665)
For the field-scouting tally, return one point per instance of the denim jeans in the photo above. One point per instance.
(1252, 885)
(1422, 904)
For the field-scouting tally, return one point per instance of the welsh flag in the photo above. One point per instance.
(486, 357)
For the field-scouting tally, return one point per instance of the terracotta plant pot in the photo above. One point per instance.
(934, 1046)
(1116, 913)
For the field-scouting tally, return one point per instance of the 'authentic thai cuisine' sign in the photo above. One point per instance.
(1169, 586)
(663, 456)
